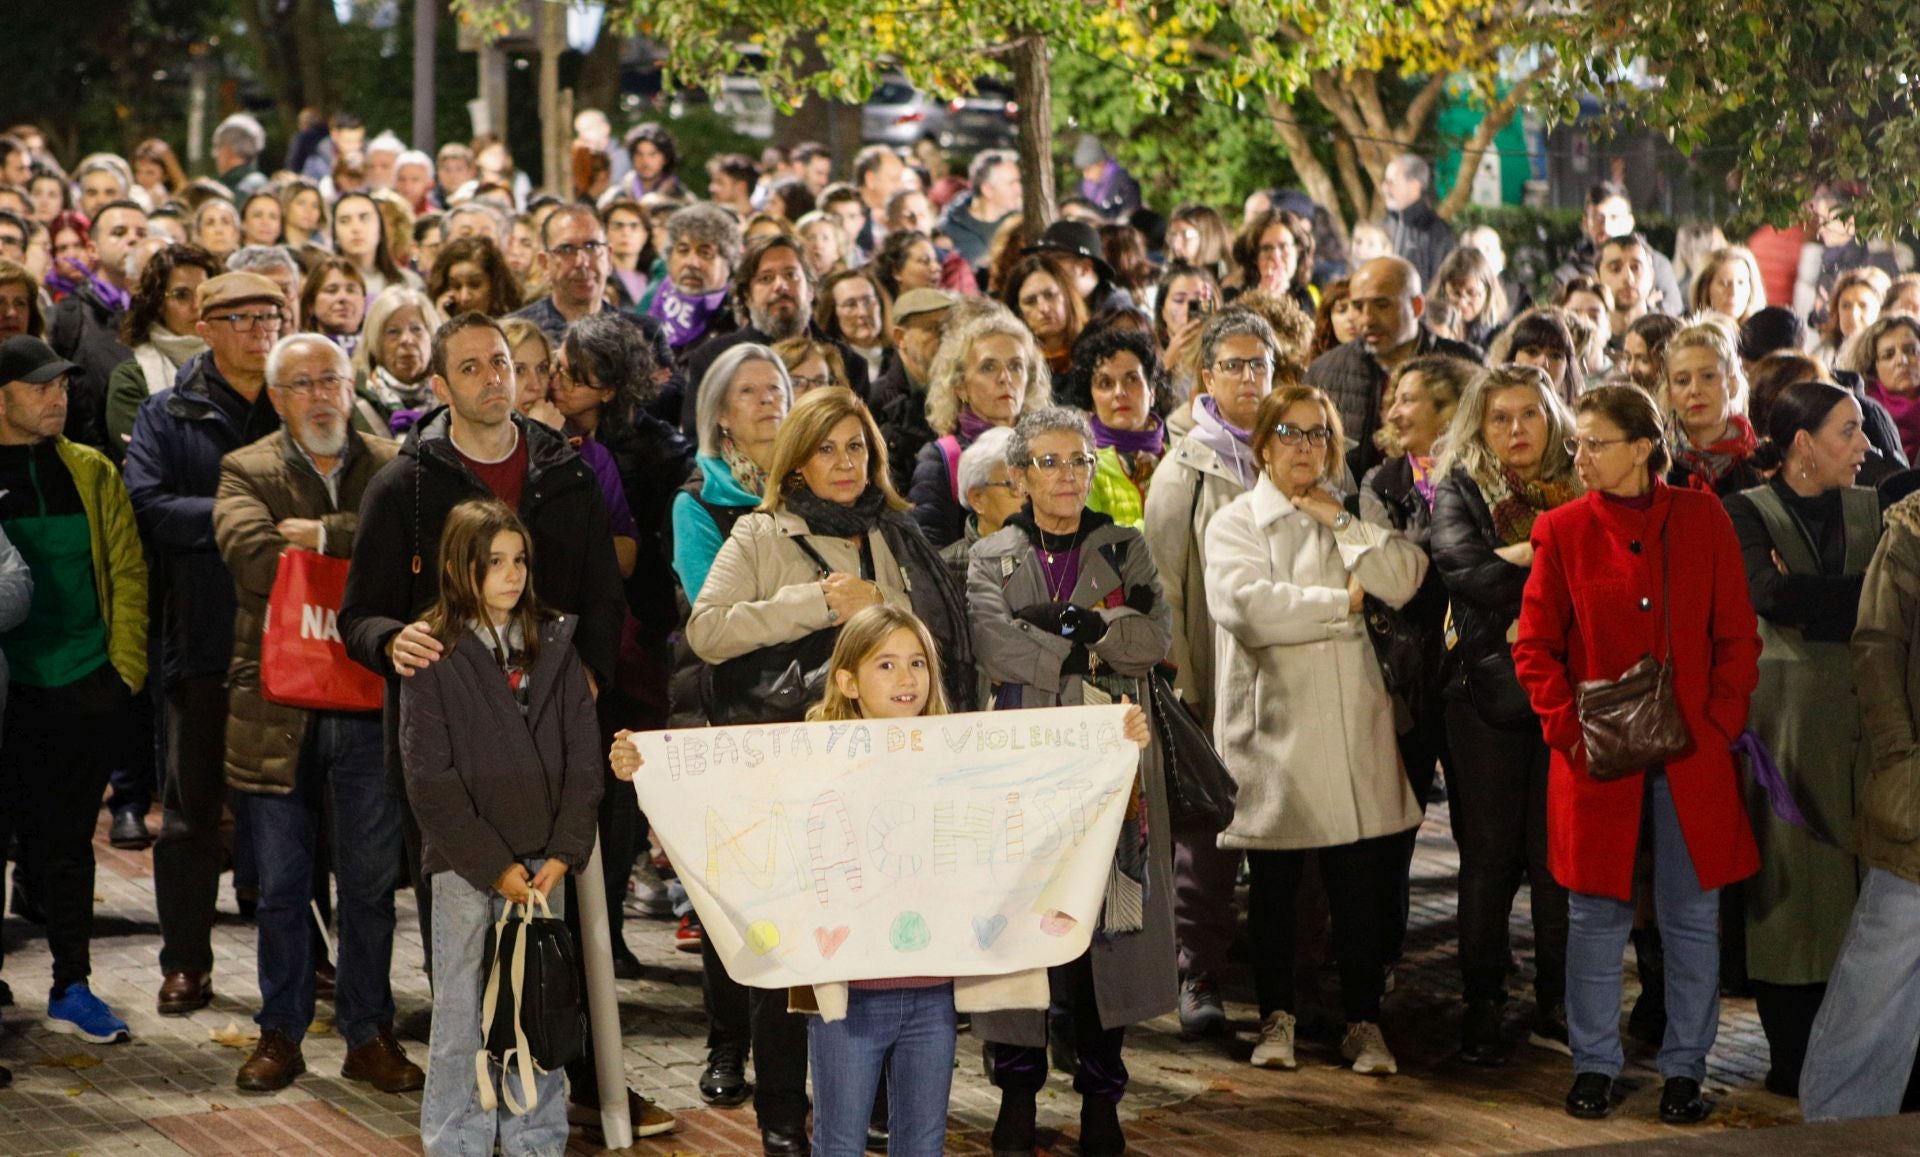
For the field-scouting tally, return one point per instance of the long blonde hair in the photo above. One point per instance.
(807, 425)
(1466, 443)
(859, 639)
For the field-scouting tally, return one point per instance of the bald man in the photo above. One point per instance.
(1386, 294)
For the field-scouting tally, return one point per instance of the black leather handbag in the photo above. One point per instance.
(533, 1007)
(1200, 790)
(774, 684)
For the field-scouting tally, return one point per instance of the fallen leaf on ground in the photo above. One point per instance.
(320, 1028)
(235, 1037)
(76, 1061)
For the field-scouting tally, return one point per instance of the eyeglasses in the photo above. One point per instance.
(1244, 367)
(307, 387)
(183, 294)
(805, 383)
(857, 304)
(567, 253)
(1294, 435)
(1055, 463)
(1591, 445)
(245, 322)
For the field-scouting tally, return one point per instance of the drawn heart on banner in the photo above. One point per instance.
(1057, 923)
(986, 930)
(830, 939)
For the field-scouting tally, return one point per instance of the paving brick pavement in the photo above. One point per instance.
(170, 1091)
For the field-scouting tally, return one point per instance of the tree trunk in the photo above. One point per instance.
(1306, 165)
(314, 24)
(1033, 88)
(425, 43)
(1497, 119)
(598, 85)
(277, 41)
(556, 129)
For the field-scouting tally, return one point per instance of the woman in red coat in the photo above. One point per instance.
(1593, 608)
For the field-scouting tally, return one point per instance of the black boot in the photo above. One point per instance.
(1480, 1040)
(1100, 1134)
(1013, 1129)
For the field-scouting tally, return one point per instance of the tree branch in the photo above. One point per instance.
(1363, 206)
(1306, 165)
(1498, 118)
(1421, 108)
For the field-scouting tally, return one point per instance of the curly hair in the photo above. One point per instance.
(1100, 344)
(1292, 327)
(503, 288)
(621, 358)
(150, 298)
(950, 367)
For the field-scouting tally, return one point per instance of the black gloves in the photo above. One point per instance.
(1140, 598)
(1077, 662)
(1077, 624)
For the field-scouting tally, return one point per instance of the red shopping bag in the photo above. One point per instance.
(303, 663)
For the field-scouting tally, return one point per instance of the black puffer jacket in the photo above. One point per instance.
(1485, 589)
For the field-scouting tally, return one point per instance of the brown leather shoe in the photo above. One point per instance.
(185, 992)
(276, 1060)
(382, 1063)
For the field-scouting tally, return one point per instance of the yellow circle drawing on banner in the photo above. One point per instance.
(762, 937)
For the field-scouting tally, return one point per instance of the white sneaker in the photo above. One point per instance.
(647, 892)
(1275, 1050)
(1367, 1049)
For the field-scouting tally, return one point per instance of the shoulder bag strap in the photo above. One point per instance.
(521, 1054)
(489, 999)
(801, 542)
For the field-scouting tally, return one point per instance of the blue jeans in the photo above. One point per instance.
(1598, 927)
(907, 1033)
(452, 1123)
(1861, 1053)
(342, 759)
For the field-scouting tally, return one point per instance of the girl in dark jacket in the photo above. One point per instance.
(503, 768)
(1506, 464)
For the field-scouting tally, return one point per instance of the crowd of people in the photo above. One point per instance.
(1386, 522)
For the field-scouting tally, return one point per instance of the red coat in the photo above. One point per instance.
(1591, 610)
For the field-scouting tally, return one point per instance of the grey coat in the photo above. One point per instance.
(1133, 973)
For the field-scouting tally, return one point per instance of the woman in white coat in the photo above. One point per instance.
(1304, 720)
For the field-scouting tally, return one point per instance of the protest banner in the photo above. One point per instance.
(952, 845)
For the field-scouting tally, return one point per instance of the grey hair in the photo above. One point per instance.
(384, 305)
(710, 223)
(1415, 167)
(711, 401)
(241, 134)
(105, 163)
(1235, 322)
(292, 342)
(384, 143)
(261, 258)
(1046, 420)
(950, 366)
(978, 460)
(1466, 446)
(502, 228)
(413, 157)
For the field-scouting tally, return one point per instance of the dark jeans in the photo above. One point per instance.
(188, 855)
(779, 1061)
(341, 760)
(1099, 1070)
(1423, 749)
(133, 768)
(1203, 917)
(729, 1016)
(1786, 1014)
(58, 747)
(1497, 792)
(1361, 886)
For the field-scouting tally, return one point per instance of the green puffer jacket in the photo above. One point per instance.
(119, 564)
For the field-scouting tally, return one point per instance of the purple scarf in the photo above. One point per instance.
(971, 426)
(1225, 439)
(111, 296)
(1152, 440)
(1098, 191)
(685, 316)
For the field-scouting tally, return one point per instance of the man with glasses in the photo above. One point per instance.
(85, 326)
(300, 488)
(1387, 297)
(14, 232)
(772, 301)
(173, 472)
(575, 262)
(76, 662)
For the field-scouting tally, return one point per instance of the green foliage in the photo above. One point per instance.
(1801, 94)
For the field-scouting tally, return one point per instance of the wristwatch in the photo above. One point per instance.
(1342, 520)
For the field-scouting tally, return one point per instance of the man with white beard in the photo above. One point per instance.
(300, 488)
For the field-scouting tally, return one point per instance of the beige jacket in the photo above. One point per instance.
(1190, 486)
(764, 590)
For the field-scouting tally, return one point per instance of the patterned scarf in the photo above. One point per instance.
(1516, 503)
(1706, 465)
(751, 477)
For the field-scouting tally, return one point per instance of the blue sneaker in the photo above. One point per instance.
(78, 1012)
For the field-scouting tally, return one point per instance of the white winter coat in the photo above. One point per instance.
(1304, 721)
